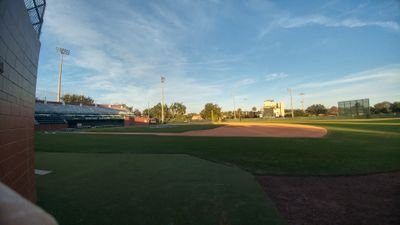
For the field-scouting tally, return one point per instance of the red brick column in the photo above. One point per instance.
(19, 53)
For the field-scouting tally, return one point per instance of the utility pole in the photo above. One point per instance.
(291, 101)
(162, 99)
(148, 111)
(234, 105)
(243, 100)
(62, 52)
(302, 101)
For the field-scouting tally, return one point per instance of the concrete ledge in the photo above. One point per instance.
(15, 210)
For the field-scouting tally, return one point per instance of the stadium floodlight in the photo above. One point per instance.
(234, 105)
(62, 52)
(291, 101)
(302, 101)
(162, 99)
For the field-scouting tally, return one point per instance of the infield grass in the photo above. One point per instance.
(125, 189)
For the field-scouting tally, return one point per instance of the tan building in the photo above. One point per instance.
(197, 117)
(273, 109)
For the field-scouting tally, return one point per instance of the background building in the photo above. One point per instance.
(273, 109)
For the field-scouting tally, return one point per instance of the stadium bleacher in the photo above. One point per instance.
(76, 116)
(49, 119)
(58, 108)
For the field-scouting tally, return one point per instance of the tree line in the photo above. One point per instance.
(174, 112)
(177, 110)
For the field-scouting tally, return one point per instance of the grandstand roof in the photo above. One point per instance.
(36, 10)
(57, 108)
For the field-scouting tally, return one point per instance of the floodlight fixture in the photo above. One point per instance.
(62, 52)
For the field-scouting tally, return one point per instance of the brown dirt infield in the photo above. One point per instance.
(243, 130)
(352, 200)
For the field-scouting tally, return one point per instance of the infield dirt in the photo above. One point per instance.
(243, 130)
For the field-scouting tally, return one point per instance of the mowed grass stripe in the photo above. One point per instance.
(93, 189)
(367, 130)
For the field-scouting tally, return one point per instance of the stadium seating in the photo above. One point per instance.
(49, 119)
(76, 116)
(51, 108)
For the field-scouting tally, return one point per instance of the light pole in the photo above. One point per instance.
(62, 52)
(234, 105)
(162, 99)
(291, 101)
(243, 101)
(302, 101)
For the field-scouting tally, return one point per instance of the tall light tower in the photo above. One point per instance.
(291, 101)
(162, 99)
(234, 105)
(302, 101)
(62, 52)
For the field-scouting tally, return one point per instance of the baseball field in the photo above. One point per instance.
(229, 173)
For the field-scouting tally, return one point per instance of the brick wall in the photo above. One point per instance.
(19, 53)
(50, 127)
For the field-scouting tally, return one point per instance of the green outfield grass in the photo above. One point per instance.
(128, 171)
(125, 189)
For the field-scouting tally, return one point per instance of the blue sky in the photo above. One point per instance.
(217, 51)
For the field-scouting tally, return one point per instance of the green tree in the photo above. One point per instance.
(137, 113)
(239, 113)
(333, 111)
(372, 109)
(155, 112)
(395, 107)
(145, 112)
(209, 109)
(298, 113)
(383, 107)
(227, 115)
(316, 109)
(77, 99)
(177, 110)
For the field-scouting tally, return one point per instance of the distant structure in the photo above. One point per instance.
(117, 106)
(273, 109)
(197, 117)
(354, 108)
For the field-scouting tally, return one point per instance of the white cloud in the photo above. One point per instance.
(124, 55)
(389, 72)
(245, 82)
(378, 84)
(296, 22)
(275, 76)
(330, 22)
